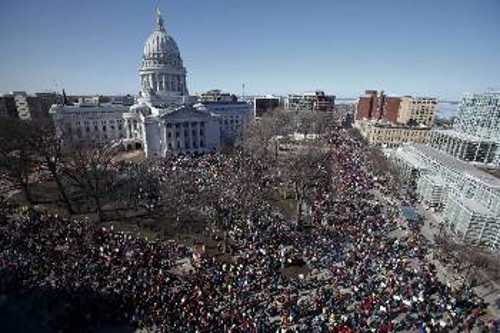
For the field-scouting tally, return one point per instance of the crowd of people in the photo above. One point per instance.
(356, 276)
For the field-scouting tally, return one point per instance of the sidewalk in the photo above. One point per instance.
(485, 288)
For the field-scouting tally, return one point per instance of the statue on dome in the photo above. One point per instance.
(159, 19)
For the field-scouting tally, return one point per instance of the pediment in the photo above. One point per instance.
(185, 112)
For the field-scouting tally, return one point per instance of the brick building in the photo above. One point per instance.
(372, 106)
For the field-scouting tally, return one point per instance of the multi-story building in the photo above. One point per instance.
(98, 123)
(468, 197)
(231, 114)
(310, 101)
(21, 100)
(8, 106)
(185, 130)
(466, 147)
(372, 106)
(366, 107)
(160, 121)
(263, 105)
(390, 109)
(39, 104)
(418, 109)
(475, 136)
(479, 114)
(216, 95)
(28, 106)
(390, 135)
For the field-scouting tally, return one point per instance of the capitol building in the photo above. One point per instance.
(164, 118)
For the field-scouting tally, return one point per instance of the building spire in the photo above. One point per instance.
(159, 20)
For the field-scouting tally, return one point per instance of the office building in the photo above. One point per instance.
(390, 135)
(475, 136)
(420, 110)
(28, 106)
(266, 104)
(310, 102)
(468, 197)
(231, 114)
(8, 106)
(372, 106)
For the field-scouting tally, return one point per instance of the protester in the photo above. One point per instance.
(359, 277)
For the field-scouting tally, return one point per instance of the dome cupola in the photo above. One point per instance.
(162, 72)
(160, 44)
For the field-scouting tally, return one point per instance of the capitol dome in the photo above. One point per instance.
(162, 73)
(160, 44)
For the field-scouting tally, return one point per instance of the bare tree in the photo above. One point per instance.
(49, 148)
(259, 138)
(17, 154)
(90, 169)
(309, 170)
(143, 188)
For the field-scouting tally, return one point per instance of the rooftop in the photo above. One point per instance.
(386, 124)
(458, 165)
(462, 136)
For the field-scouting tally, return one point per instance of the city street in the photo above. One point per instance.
(486, 288)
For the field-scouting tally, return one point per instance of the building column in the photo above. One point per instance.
(155, 82)
(163, 82)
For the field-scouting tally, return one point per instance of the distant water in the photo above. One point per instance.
(443, 109)
(446, 110)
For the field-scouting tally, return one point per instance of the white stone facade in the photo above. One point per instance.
(98, 123)
(160, 121)
(231, 116)
(183, 131)
(163, 76)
